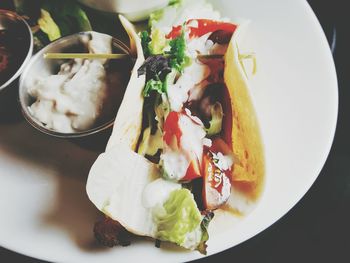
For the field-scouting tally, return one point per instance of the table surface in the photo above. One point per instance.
(317, 228)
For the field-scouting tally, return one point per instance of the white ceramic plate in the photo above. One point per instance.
(44, 209)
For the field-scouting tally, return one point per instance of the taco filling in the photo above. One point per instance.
(196, 143)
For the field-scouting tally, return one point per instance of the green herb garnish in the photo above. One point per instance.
(178, 57)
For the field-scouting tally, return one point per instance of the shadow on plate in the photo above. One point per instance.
(64, 167)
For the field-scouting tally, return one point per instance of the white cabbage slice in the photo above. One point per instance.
(126, 187)
(115, 186)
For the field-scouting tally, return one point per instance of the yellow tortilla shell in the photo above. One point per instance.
(248, 172)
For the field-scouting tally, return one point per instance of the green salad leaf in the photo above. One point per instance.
(48, 26)
(178, 218)
(155, 17)
(202, 247)
(215, 123)
(158, 42)
(68, 15)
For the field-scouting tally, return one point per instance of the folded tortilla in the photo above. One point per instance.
(128, 123)
(119, 176)
(248, 172)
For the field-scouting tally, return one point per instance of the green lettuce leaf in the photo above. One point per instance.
(68, 15)
(48, 26)
(158, 42)
(202, 247)
(178, 218)
(153, 85)
(155, 17)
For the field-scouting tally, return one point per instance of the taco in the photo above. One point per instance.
(186, 136)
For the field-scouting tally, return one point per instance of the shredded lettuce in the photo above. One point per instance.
(153, 44)
(158, 42)
(48, 25)
(153, 85)
(158, 74)
(178, 218)
(155, 17)
(217, 115)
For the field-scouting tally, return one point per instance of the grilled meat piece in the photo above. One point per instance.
(110, 233)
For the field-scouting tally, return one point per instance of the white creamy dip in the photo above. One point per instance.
(72, 100)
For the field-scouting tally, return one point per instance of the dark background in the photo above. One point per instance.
(317, 229)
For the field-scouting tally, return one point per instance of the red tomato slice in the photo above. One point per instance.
(204, 26)
(219, 145)
(193, 171)
(216, 185)
(172, 128)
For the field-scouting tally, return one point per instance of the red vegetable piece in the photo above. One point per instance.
(219, 145)
(193, 171)
(175, 32)
(204, 26)
(216, 185)
(172, 128)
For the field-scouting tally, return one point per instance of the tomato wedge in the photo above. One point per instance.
(204, 26)
(193, 171)
(172, 128)
(216, 185)
(219, 145)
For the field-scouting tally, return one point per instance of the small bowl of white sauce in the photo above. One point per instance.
(74, 98)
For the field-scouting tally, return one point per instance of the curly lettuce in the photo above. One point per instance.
(178, 217)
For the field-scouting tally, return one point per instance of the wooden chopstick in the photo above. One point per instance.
(84, 56)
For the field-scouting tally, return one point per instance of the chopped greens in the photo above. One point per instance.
(145, 40)
(153, 85)
(178, 57)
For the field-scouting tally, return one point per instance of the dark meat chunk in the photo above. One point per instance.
(110, 233)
